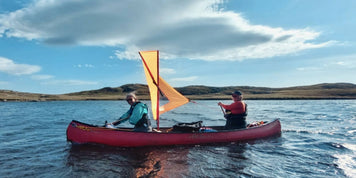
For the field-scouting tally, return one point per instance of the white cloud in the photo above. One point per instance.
(70, 82)
(342, 62)
(346, 61)
(185, 28)
(308, 68)
(10, 67)
(3, 83)
(84, 66)
(41, 77)
(184, 79)
(167, 71)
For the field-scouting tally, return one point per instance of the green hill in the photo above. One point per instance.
(198, 92)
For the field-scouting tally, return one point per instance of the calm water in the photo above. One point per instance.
(318, 140)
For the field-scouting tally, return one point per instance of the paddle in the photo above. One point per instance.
(222, 109)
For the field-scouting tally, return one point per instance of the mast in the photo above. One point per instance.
(157, 86)
(157, 110)
(155, 82)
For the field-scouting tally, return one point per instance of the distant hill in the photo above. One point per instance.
(198, 92)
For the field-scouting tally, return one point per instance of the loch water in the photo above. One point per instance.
(318, 140)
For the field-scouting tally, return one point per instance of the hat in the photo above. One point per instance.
(132, 94)
(236, 93)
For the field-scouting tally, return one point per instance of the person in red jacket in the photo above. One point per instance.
(236, 112)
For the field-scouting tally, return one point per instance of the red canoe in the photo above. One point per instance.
(78, 132)
(81, 133)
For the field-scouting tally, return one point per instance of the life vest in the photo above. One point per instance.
(144, 121)
(133, 106)
(229, 115)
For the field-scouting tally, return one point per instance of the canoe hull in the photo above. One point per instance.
(81, 133)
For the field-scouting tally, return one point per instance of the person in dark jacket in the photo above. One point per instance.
(236, 112)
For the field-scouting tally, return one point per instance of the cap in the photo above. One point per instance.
(236, 93)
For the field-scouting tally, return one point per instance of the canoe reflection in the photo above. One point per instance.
(182, 161)
(104, 161)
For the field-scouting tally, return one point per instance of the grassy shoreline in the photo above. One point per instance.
(312, 92)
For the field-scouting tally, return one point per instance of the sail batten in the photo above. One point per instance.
(157, 85)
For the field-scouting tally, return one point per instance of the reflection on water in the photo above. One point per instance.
(127, 162)
(182, 161)
(227, 160)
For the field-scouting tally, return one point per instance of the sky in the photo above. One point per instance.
(64, 46)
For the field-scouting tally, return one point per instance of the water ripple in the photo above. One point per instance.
(318, 140)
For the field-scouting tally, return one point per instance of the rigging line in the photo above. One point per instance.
(211, 107)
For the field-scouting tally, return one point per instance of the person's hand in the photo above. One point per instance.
(116, 122)
(219, 103)
(109, 125)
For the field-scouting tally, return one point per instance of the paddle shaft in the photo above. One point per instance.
(222, 109)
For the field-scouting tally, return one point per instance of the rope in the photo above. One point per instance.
(202, 104)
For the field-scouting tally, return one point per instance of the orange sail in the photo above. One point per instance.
(157, 85)
(151, 66)
(175, 98)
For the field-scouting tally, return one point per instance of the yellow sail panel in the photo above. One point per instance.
(175, 98)
(150, 64)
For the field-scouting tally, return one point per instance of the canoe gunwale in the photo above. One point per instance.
(82, 133)
(217, 128)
